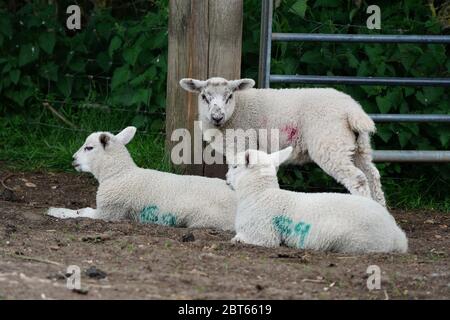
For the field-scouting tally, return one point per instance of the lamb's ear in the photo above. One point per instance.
(281, 156)
(192, 85)
(126, 135)
(104, 139)
(241, 84)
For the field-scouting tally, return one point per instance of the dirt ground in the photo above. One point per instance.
(150, 261)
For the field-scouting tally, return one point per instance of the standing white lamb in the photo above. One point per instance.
(128, 192)
(268, 216)
(325, 126)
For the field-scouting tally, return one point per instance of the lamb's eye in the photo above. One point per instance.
(88, 148)
(234, 166)
(204, 97)
(229, 98)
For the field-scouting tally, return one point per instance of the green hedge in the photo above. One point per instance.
(119, 59)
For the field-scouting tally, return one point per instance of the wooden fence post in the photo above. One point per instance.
(205, 40)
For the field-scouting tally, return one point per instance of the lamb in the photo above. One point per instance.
(268, 216)
(128, 192)
(323, 125)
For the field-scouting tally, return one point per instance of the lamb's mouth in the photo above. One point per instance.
(75, 165)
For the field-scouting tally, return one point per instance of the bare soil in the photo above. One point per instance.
(150, 261)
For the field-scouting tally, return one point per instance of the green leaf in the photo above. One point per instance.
(115, 44)
(444, 136)
(384, 133)
(28, 53)
(20, 96)
(77, 64)
(352, 61)
(352, 14)
(311, 57)
(104, 61)
(139, 121)
(404, 137)
(14, 75)
(130, 55)
(47, 41)
(121, 75)
(64, 85)
(49, 71)
(299, 8)
(5, 26)
(384, 104)
(141, 96)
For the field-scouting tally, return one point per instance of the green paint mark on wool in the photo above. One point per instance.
(287, 228)
(151, 214)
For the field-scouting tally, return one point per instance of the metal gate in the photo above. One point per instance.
(265, 79)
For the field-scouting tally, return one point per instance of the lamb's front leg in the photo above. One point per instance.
(63, 213)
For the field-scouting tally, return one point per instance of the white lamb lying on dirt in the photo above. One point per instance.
(268, 216)
(128, 192)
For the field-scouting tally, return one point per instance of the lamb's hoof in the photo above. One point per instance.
(56, 213)
(237, 239)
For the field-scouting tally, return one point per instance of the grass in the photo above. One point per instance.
(49, 146)
(27, 146)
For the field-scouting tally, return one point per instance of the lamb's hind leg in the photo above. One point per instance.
(339, 165)
(363, 160)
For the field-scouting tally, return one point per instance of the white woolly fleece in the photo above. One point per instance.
(268, 216)
(128, 192)
(323, 125)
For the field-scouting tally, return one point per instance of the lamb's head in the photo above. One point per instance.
(255, 166)
(216, 101)
(100, 147)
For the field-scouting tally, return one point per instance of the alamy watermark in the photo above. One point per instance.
(374, 279)
(189, 148)
(73, 277)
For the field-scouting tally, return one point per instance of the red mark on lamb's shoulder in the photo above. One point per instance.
(291, 132)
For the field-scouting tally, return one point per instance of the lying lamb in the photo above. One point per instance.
(325, 126)
(128, 192)
(268, 216)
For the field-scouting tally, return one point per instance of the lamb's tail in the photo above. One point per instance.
(360, 122)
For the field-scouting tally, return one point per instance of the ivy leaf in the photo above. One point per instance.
(49, 71)
(311, 57)
(28, 53)
(130, 55)
(20, 96)
(141, 96)
(65, 85)
(121, 75)
(444, 136)
(404, 137)
(77, 64)
(115, 44)
(139, 121)
(47, 42)
(384, 104)
(384, 133)
(299, 8)
(104, 61)
(14, 75)
(5, 26)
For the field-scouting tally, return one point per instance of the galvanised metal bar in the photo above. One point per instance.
(265, 49)
(410, 156)
(276, 78)
(367, 38)
(379, 155)
(410, 117)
